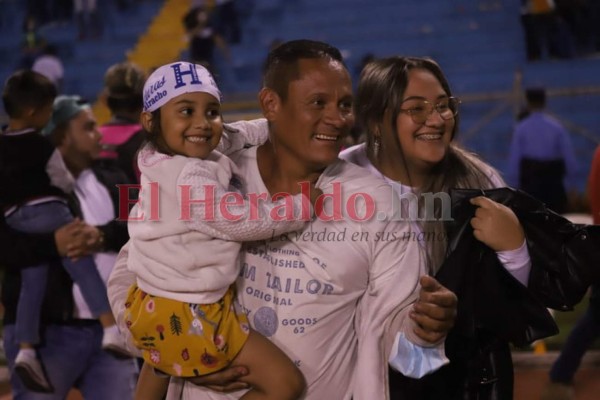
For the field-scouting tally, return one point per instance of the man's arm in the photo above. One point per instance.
(118, 284)
(394, 290)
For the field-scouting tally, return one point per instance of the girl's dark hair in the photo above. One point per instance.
(27, 89)
(154, 135)
(381, 89)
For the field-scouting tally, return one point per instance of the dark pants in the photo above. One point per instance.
(544, 181)
(586, 330)
(546, 35)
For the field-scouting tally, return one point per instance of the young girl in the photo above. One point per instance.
(185, 235)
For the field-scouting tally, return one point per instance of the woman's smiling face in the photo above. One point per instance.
(423, 144)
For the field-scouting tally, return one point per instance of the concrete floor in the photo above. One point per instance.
(531, 376)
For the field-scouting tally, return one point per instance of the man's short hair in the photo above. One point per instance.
(27, 89)
(536, 96)
(281, 66)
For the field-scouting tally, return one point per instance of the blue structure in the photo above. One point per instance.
(479, 44)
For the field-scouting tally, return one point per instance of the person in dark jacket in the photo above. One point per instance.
(71, 337)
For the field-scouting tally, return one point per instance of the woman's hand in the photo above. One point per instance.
(224, 381)
(496, 225)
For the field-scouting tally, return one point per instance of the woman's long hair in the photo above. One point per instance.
(381, 89)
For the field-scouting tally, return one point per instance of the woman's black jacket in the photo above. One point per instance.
(494, 309)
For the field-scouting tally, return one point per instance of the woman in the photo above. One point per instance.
(406, 107)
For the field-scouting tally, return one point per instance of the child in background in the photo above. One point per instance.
(34, 188)
(181, 311)
(123, 135)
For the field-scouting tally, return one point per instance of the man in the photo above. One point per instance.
(71, 347)
(541, 156)
(336, 297)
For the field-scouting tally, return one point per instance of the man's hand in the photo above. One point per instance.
(435, 310)
(68, 234)
(94, 238)
(77, 239)
(224, 381)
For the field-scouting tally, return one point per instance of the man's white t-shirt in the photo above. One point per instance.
(323, 294)
(97, 209)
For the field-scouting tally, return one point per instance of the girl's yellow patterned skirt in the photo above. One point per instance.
(183, 339)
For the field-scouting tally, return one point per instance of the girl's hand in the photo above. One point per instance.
(496, 225)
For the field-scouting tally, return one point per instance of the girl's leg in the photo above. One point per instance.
(150, 386)
(272, 374)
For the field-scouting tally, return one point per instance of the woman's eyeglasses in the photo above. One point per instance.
(420, 110)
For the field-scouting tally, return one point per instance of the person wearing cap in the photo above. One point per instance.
(123, 135)
(541, 159)
(181, 311)
(73, 341)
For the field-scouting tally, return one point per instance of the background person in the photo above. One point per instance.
(541, 157)
(71, 346)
